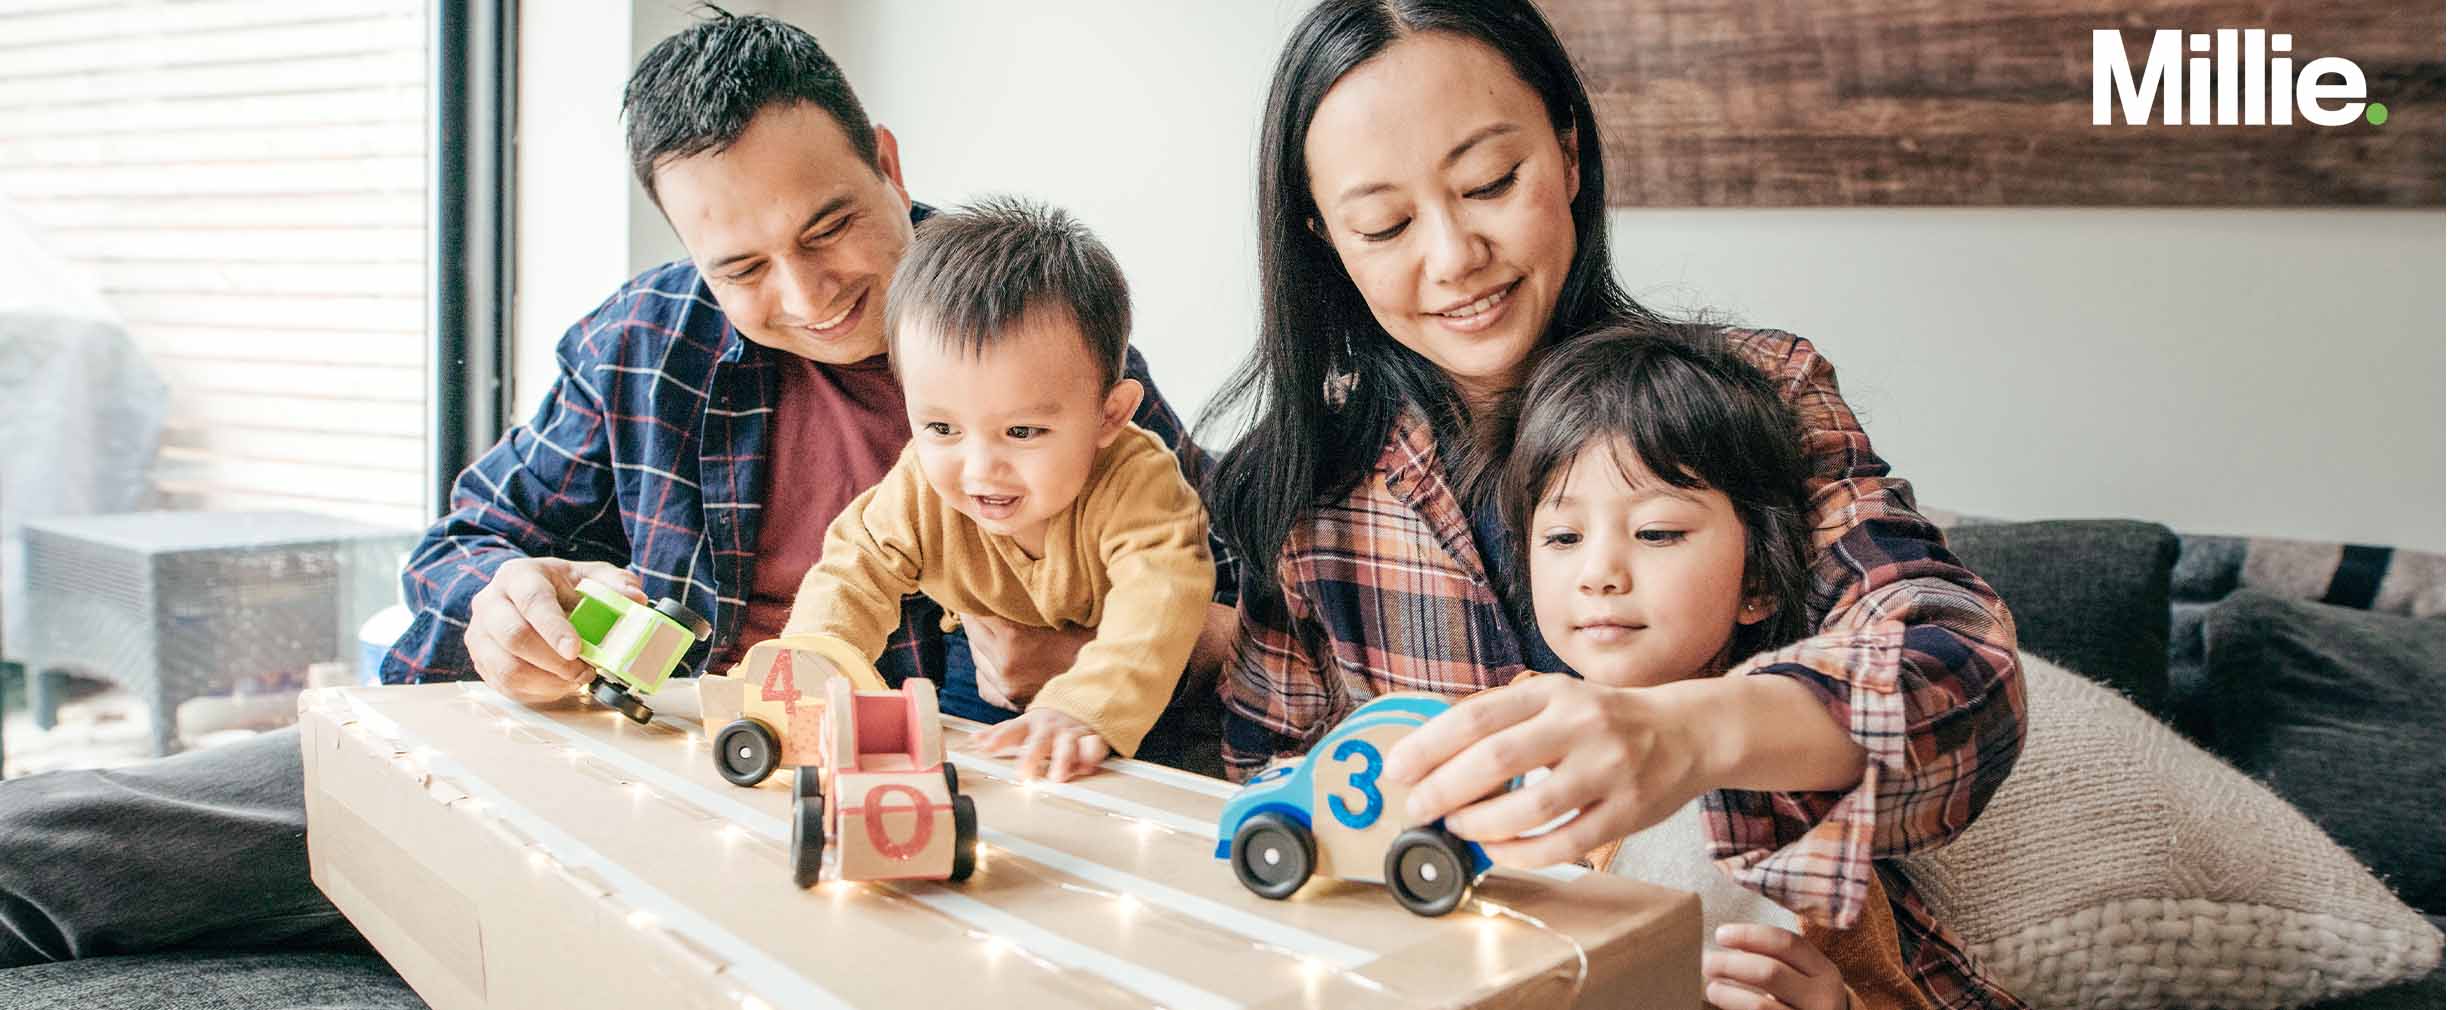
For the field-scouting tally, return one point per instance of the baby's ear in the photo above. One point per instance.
(1121, 402)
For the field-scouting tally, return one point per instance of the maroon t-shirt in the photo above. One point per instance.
(836, 430)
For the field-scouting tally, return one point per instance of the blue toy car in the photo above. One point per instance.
(1276, 841)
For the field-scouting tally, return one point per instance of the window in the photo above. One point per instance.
(213, 270)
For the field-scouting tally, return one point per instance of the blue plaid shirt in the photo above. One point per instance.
(650, 453)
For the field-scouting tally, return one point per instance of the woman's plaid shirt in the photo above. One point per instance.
(649, 452)
(1384, 591)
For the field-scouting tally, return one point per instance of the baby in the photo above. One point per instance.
(1025, 493)
(1656, 487)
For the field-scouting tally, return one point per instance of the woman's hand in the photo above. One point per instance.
(1766, 968)
(1625, 758)
(1014, 660)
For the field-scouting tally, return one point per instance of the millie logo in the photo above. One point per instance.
(2256, 85)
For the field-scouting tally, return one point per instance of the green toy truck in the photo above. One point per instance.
(631, 647)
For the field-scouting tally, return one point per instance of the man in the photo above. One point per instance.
(708, 422)
(697, 449)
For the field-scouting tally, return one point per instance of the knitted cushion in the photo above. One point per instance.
(2122, 867)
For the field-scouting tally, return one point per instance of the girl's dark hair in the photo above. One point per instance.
(1299, 451)
(1698, 417)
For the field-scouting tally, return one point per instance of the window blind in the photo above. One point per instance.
(245, 182)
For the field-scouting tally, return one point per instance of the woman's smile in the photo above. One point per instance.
(1478, 313)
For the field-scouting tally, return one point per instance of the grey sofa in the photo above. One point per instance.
(2289, 659)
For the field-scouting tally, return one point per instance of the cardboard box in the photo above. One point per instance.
(502, 856)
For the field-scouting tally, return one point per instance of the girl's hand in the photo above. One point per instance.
(1625, 758)
(1766, 968)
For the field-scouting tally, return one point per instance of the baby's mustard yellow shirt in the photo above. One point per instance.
(1128, 558)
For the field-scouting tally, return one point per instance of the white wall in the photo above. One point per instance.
(2238, 371)
(2247, 371)
(573, 203)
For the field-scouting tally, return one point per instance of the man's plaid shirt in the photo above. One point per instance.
(649, 452)
(1385, 591)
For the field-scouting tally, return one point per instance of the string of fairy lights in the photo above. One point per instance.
(420, 762)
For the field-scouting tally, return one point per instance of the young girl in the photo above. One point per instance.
(1655, 490)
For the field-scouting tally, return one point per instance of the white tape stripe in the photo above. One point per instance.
(751, 966)
(1165, 990)
(1178, 779)
(1114, 804)
(1144, 770)
(1119, 972)
(1260, 928)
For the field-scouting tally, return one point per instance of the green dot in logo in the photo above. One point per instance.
(2375, 113)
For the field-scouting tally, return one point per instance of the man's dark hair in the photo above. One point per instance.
(698, 90)
(972, 274)
(1697, 416)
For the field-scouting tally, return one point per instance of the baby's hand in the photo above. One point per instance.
(1766, 968)
(1048, 738)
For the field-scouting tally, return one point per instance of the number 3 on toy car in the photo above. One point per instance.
(1364, 780)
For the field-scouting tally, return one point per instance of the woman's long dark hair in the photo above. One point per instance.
(1298, 450)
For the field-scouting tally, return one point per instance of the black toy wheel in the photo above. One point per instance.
(674, 609)
(807, 830)
(745, 752)
(1273, 856)
(951, 779)
(1428, 869)
(964, 837)
(607, 693)
(610, 694)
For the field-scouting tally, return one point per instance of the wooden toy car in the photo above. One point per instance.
(631, 647)
(870, 760)
(769, 711)
(1272, 834)
(884, 791)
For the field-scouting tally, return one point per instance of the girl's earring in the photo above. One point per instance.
(1341, 379)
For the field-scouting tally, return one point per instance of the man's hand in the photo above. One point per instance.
(1045, 737)
(1014, 660)
(1766, 968)
(518, 631)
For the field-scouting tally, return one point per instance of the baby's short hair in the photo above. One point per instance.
(974, 272)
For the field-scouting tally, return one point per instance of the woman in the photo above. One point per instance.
(1432, 215)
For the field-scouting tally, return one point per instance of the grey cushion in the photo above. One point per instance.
(2340, 711)
(201, 981)
(2091, 594)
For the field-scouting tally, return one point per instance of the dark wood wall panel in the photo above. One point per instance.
(1781, 103)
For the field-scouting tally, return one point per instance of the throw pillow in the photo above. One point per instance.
(2089, 593)
(2122, 867)
(2339, 711)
